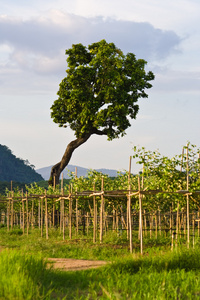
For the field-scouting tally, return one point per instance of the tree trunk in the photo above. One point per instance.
(59, 167)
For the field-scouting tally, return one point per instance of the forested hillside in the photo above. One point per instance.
(16, 169)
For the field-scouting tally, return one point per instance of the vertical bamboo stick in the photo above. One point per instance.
(20, 218)
(23, 215)
(177, 222)
(117, 220)
(102, 210)
(62, 182)
(63, 214)
(63, 217)
(54, 182)
(151, 224)
(87, 223)
(129, 207)
(77, 216)
(95, 216)
(193, 227)
(8, 215)
(46, 216)
(27, 216)
(188, 208)
(140, 217)
(42, 217)
(32, 214)
(170, 220)
(145, 222)
(12, 210)
(39, 210)
(127, 218)
(53, 214)
(70, 212)
(156, 221)
(159, 221)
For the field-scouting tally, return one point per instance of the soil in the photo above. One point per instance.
(68, 264)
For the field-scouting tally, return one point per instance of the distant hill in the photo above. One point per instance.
(16, 169)
(45, 172)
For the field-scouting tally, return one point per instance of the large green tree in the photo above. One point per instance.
(99, 94)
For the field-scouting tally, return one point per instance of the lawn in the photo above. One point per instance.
(159, 274)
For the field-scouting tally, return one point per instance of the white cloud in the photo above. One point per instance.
(38, 45)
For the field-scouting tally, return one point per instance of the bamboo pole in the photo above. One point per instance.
(54, 182)
(32, 215)
(101, 210)
(41, 217)
(70, 212)
(188, 208)
(95, 216)
(46, 216)
(8, 215)
(39, 211)
(140, 217)
(61, 216)
(62, 179)
(27, 219)
(177, 222)
(53, 214)
(23, 216)
(77, 216)
(87, 223)
(12, 210)
(193, 227)
(129, 207)
(170, 220)
(145, 222)
(20, 218)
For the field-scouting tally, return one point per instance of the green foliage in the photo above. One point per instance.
(169, 174)
(101, 90)
(16, 169)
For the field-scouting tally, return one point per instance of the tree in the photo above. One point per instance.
(99, 94)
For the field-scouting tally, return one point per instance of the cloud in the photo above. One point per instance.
(37, 43)
(177, 81)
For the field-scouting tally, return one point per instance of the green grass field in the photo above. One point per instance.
(159, 274)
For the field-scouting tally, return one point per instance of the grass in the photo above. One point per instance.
(159, 274)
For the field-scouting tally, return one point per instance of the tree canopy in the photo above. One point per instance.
(99, 94)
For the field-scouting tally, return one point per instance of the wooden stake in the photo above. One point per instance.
(12, 211)
(27, 217)
(46, 216)
(129, 207)
(140, 217)
(188, 208)
(94, 221)
(41, 217)
(177, 222)
(70, 212)
(101, 211)
(53, 214)
(8, 215)
(39, 210)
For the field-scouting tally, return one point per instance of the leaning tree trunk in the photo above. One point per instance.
(59, 167)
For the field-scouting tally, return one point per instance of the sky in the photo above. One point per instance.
(34, 35)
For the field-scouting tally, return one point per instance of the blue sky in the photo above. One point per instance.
(33, 39)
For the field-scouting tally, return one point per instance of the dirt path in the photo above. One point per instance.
(68, 264)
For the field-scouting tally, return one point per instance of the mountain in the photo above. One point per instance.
(45, 172)
(16, 169)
